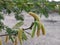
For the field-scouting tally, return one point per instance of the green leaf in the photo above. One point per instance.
(9, 32)
(59, 9)
(12, 39)
(1, 16)
(24, 37)
(1, 26)
(19, 17)
(44, 12)
(17, 25)
(9, 11)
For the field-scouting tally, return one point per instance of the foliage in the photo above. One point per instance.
(17, 6)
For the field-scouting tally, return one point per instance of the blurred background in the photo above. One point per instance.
(52, 26)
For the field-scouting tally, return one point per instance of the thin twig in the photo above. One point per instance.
(12, 34)
(3, 35)
(29, 27)
(23, 29)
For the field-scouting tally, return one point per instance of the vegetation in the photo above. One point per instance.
(32, 7)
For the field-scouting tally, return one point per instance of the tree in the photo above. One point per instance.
(32, 7)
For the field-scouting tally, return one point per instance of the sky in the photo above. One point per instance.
(54, 0)
(57, 0)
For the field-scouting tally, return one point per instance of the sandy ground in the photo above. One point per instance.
(52, 25)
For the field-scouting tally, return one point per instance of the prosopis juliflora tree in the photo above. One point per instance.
(33, 8)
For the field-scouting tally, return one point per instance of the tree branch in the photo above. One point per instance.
(3, 35)
(12, 34)
(23, 29)
(29, 27)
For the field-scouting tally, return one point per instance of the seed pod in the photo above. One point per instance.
(35, 16)
(6, 39)
(33, 30)
(43, 29)
(16, 41)
(20, 31)
(0, 42)
(38, 28)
